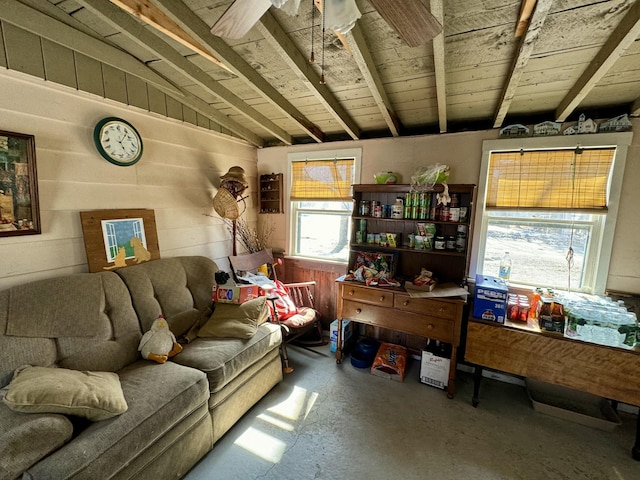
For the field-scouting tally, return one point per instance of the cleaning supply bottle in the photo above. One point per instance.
(505, 267)
(397, 210)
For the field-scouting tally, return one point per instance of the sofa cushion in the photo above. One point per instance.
(160, 398)
(92, 395)
(231, 320)
(25, 439)
(223, 359)
(179, 288)
(116, 331)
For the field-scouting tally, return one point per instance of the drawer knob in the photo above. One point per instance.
(358, 310)
(382, 298)
(441, 310)
(352, 292)
(430, 326)
(405, 303)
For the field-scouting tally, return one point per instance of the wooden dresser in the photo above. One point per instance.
(393, 308)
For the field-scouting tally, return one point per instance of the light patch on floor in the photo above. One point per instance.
(295, 404)
(261, 445)
(276, 422)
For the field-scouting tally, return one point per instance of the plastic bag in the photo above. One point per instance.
(426, 177)
(290, 7)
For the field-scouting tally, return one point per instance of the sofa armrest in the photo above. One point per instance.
(26, 438)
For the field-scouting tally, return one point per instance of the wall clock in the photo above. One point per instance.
(118, 141)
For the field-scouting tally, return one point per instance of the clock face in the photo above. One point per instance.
(118, 141)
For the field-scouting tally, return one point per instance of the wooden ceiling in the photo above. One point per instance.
(497, 62)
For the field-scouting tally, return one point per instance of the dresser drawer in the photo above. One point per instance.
(374, 296)
(401, 321)
(426, 306)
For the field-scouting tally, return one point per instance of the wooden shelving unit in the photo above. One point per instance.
(271, 193)
(448, 265)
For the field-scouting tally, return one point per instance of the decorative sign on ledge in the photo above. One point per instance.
(119, 238)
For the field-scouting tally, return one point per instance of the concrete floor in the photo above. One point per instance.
(328, 421)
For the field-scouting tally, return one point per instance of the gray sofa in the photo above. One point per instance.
(94, 322)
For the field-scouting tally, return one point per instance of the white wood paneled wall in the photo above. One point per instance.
(176, 177)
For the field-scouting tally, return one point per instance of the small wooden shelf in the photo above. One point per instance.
(270, 193)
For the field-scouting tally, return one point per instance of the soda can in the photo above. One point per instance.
(362, 226)
(414, 212)
(407, 199)
(423, 199)
(427, 205)
(407, 211)
(415, 199)
(422, 212)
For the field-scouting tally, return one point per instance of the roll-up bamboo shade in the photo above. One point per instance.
(550, 179)
(321, 180)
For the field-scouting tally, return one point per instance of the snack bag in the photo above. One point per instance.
(390, 362)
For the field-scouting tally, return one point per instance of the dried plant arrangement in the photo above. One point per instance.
(252, 238)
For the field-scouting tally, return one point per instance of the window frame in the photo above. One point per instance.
(355, 153)
(620, 140)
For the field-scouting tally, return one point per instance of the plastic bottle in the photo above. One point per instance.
(397, 210)
(505, 267)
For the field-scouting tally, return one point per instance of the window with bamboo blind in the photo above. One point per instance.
(552, 204)
(322, 179)
(550, 179)
(321, 203)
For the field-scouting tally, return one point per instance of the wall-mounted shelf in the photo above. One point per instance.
(271, 193)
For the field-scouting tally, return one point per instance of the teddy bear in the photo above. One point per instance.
(159, 343)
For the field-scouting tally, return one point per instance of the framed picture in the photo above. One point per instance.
(19, 207)
(119, 238)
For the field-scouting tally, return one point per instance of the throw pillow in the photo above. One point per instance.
(93, 395)
(230, 320)
(284, 305)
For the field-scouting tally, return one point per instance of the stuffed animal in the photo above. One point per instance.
(159, 344)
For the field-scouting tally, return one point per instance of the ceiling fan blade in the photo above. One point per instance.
(238, 19)
(410, 18)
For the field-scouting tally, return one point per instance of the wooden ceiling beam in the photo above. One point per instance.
(193, 26)
(525, 49)
(622, 37)
(148, 13)
(439, 66)
(136, 32)
(275, 35)
(364, 60)
(52, 29)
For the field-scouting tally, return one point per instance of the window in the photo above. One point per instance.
(551, 202)
(321, 203)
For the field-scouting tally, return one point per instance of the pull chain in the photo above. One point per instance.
(324, 16)
(312, 58)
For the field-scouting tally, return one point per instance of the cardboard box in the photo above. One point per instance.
(490, 298)
(236, 294)
(434, 370)
(347, 333)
